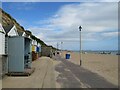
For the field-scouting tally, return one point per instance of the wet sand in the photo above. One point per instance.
(104, 65)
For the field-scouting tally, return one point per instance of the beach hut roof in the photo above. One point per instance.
(20, 33)
(8, 28)
(1, 28)
(11, 30)
(27, 34)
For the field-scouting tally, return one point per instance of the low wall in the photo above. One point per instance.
(3, 65)
(46, 51)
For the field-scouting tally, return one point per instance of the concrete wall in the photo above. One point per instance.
(3, 65)
(46, 51)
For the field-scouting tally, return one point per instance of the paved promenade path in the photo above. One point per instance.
(43, 76)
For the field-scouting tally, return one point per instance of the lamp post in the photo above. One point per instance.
(57, 46)
(80, 28)
(61, 48)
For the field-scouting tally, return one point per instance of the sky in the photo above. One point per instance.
(56, 22)
(60, 0)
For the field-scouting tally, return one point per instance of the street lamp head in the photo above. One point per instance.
(80, 28)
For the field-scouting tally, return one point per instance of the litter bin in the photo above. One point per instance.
(67, 56)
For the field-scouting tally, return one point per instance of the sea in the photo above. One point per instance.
(112, 52)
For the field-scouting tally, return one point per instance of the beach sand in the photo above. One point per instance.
(104, 65)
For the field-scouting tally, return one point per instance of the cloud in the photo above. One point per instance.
(94, 17)
(110, 34)
(99, 21)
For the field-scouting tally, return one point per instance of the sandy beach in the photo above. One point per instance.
(104, 65)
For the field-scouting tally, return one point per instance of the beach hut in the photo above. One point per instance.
(27, 34)
(19, 53)
(20, 33)
(10, 30)
(2, 40)
(34, 42)
(39, 49)
(3, 56)
(34, 50)
(24, 34)
(18, 49)
(34, 53)
(39, 45)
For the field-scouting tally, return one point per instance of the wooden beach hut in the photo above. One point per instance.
(27, 34)
(39, 49)
(2, 40)
(34, 50)
(19, 54)
(3, 56)
(10, 31)
(19, 51)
